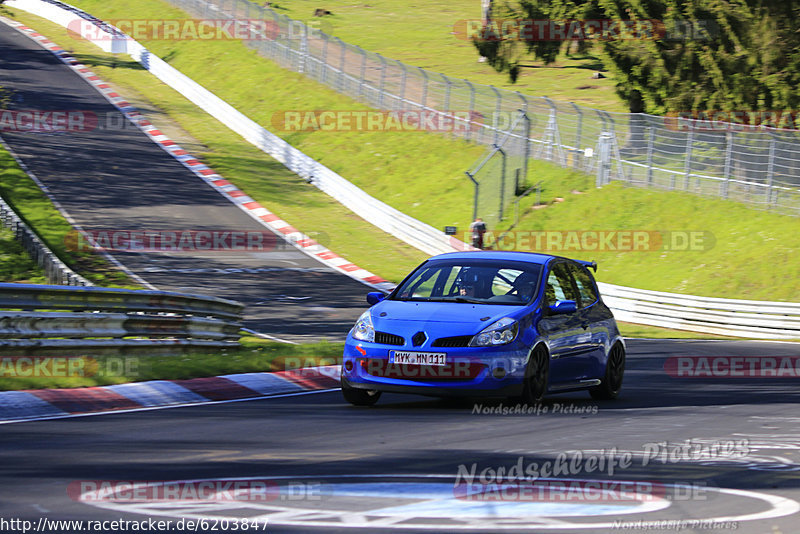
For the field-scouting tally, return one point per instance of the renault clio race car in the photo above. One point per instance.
(486, 324)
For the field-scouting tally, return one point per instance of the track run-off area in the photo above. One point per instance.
(684, 448)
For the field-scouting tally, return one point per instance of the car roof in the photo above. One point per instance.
(530, 257)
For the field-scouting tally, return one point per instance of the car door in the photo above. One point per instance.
(568, 336)
(593, 316)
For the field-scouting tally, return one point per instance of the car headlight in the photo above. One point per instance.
(363, 328)
(498, 333)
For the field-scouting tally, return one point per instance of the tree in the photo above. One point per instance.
(708, 54)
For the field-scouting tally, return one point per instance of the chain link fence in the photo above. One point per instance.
(761, 167)
(500, 175)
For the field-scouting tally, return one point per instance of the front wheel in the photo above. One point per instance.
(360, 397)
(536, 377)
(612, 381)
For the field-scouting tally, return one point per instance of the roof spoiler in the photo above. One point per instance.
(592, 264)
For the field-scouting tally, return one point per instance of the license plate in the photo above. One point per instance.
(418, 358)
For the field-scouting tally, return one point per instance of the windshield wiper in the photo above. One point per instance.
(469, 301)
(460, 300)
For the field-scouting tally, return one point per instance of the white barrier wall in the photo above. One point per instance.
(742, 318)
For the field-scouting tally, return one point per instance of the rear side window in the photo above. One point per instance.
(584, 284)
(559, 285)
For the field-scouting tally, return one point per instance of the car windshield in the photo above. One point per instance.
(472, 281)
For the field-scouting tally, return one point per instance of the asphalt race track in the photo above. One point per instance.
(331, 467)
(118, 179)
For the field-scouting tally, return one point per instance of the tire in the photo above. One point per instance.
(611, 385)
(537, 375)
(360, 397)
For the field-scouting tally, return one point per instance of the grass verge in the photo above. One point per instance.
(739, 252)
(15, 264)
(255, 355)
(33, 207)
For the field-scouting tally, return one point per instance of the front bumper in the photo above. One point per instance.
(470, 371)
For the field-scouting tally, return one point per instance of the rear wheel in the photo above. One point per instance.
(612, 381)
(360, 397)
(536, 377)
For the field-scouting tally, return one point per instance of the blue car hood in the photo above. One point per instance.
(455, 317)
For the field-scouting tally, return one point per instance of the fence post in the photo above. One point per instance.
(578, 135)
(303, 56)
(604, 159)
(383, 80)
(502, 179)
(687, 167)
(471, 108)
(447, 109)
(475, 197)
(363, 76)
(403, 85)
(324, 57)
(273, 44)
(651, 134)
(447, 84)
(496, 120)
(424, 88)
(604, 128)
(771, 170)
(526, 147)
(726, 172)
(341, 63)
(524, 102)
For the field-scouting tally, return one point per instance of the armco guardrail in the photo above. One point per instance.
(55, 270)
(774, 320)
(729, 317)
(35, 319)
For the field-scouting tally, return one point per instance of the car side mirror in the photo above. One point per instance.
(375, 297)
(563, 306)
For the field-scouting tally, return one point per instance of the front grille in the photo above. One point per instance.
(455, 341)
(388, 339)
(458, 371)
(419, 338)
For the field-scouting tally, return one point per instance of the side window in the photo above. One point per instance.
(585, 284)
(559, 285)
(450, 286)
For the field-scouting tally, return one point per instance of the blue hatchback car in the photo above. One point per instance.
(489, 324)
